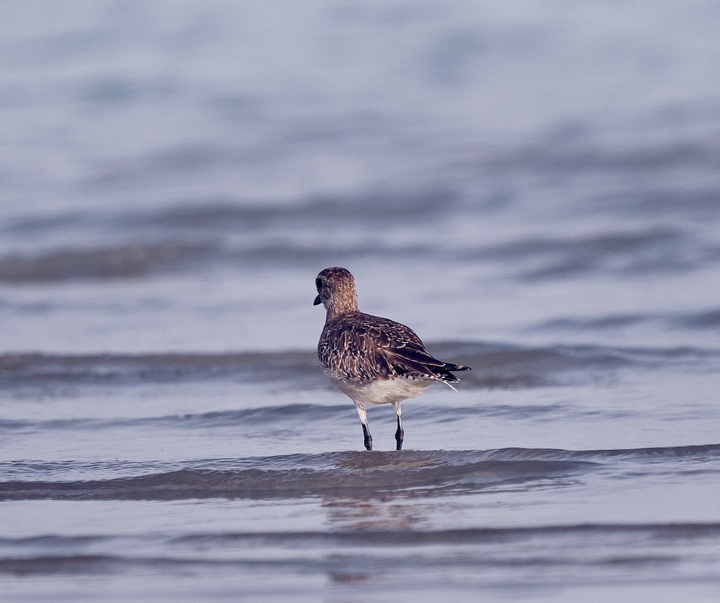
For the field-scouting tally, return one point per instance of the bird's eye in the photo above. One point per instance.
(318, 284)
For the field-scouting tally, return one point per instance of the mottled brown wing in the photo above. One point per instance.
(403, 350)
(411, 361)
(349, 348)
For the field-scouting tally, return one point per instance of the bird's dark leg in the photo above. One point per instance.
(400, 433)
(366, 430)
(367, 437)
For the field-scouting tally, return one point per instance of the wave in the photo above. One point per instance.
(195, 234)
(618, 251)
(358, 475)
(489, 535)
(132, 261)
(125, 261)
(118, 368)
(495, 365)
(312, 413)
(391, 560)
(701, 320)
(212, 215)
(205, 232)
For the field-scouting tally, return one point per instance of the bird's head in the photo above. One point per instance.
(336, 291)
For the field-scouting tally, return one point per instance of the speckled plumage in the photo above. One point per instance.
(371, 359)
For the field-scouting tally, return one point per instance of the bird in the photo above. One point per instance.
(372, 360)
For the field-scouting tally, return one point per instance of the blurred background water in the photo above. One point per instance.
(533, 187)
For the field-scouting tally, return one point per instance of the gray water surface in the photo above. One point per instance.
(535, 189)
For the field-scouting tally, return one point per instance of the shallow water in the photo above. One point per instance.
(535, 190)
(238, 474)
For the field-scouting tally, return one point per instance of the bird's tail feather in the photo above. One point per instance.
(452, 387)
(444, 373)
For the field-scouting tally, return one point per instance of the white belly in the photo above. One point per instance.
(381, 392)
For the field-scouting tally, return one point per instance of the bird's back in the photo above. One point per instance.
(362, 348)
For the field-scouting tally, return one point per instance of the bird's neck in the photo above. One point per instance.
(340, 307)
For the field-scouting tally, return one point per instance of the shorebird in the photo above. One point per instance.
(372, 360)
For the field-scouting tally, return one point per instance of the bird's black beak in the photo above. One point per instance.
(317, 301)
